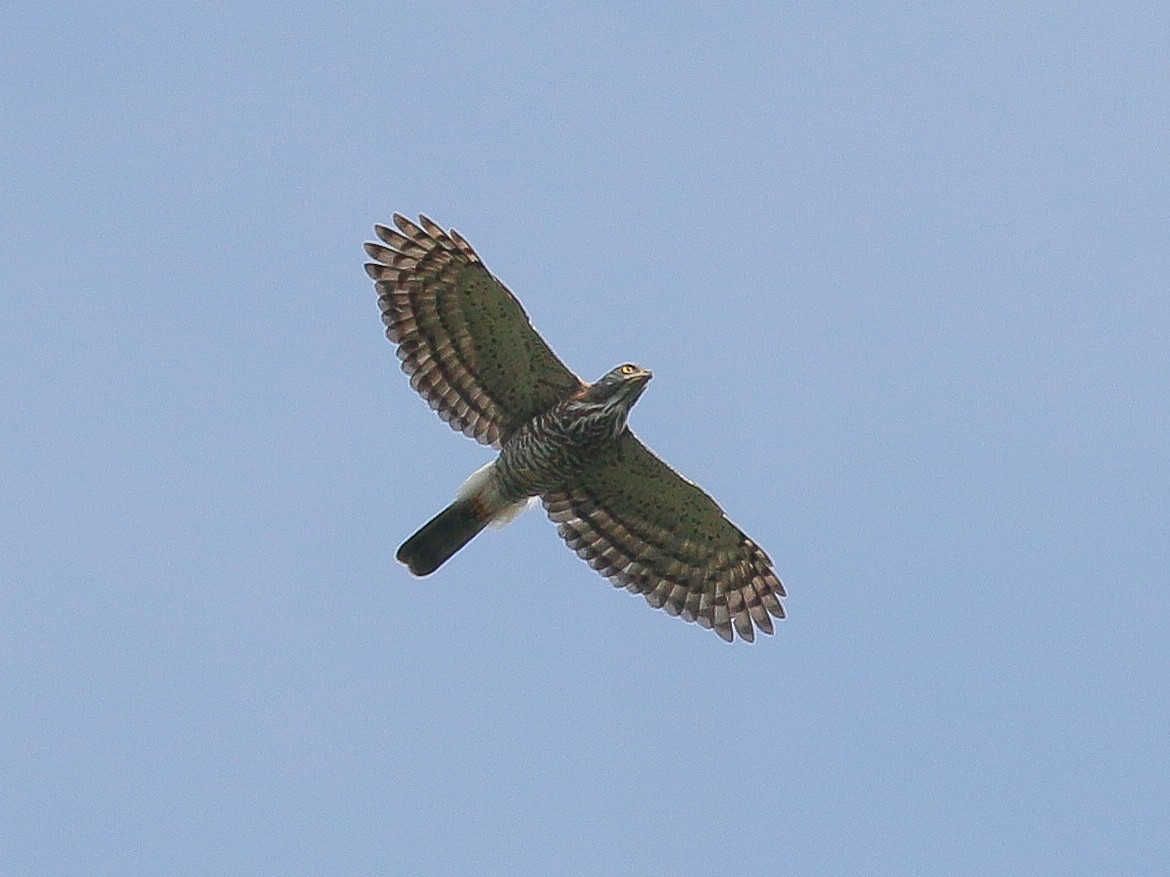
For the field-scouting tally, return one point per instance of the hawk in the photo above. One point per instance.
(472, 354)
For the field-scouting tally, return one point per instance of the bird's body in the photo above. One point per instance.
(542, 456)
(554, 446)
(472, 354)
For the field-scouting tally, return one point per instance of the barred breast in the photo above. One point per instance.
(545, 453)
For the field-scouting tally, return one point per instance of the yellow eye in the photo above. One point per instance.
(628, 369)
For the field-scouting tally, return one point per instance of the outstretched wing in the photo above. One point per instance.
(463, 338)
(650, 530)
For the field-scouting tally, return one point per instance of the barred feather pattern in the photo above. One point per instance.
(551, 449)
(417, 262)
(731, 592)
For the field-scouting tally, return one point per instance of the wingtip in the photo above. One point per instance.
(408, 228)
(430, 226)
(380, 253)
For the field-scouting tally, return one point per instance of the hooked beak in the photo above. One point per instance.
(637, 382)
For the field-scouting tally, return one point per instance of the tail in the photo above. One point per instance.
(442, 536)
(477, 504)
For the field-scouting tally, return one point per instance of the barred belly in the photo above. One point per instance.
(550, 449)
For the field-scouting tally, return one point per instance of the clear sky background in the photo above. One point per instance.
(901, 272)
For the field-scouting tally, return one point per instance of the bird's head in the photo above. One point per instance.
(621, 387)
(601, 409)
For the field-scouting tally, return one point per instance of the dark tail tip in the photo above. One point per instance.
(438, 539)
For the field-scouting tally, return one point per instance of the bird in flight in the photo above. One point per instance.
(473, 355)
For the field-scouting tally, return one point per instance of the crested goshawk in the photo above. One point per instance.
(473, 355)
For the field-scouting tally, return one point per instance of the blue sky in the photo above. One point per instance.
(901, 274)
